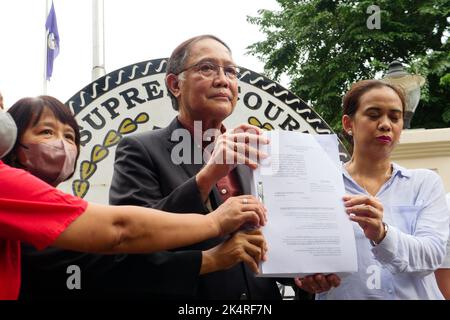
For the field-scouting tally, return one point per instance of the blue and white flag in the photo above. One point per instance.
(52, 41)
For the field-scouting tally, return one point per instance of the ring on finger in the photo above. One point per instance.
(245, 201)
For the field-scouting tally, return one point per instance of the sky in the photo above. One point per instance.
(135, 30)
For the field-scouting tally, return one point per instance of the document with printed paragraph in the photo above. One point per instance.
(301, 185)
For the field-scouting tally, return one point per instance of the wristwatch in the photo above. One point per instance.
(385, 234)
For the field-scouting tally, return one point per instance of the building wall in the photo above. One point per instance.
(425, 148)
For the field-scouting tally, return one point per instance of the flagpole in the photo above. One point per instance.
(44, 84)
(98, 36)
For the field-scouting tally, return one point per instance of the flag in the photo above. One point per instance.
(52, 41)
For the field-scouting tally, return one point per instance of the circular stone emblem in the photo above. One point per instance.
(134, 99)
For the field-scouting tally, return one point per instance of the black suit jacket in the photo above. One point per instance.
(146, 175)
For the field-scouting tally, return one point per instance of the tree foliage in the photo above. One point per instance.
(323, 46)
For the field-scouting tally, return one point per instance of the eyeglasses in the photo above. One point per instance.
(210, 70)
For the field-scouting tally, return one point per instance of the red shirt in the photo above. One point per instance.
(229, 186)
(30, 211)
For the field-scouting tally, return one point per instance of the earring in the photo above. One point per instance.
(350, 133)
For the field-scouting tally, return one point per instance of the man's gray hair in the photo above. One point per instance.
(178, 58)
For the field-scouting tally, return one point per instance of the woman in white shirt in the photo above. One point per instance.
(401, 218)
(443, 273)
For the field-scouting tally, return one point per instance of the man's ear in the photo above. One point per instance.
(172, 84)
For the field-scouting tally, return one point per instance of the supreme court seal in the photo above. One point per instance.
(134, 99)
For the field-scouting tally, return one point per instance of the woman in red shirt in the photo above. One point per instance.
(35, 212)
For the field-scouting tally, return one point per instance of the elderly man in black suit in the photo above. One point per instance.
(201, 79)
(155, 169)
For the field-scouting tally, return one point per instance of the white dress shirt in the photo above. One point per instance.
(402, 265)
(446, 263)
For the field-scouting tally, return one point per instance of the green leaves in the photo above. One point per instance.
(323, 46)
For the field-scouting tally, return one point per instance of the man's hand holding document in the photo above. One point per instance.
(301, 185)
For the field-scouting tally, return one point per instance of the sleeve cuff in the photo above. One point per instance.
(386, 251)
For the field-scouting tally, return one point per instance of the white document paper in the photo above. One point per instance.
(301, 186)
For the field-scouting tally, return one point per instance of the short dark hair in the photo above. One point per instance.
(350, 102)
(178, 58)
(26, 113)
(1, 100)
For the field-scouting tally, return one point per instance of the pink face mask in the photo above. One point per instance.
(52, 161)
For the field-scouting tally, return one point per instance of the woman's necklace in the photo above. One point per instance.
(386, 177)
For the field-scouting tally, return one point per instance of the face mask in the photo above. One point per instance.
(8, 133)
(52, 161)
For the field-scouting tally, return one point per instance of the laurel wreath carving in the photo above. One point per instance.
(80, 187)
(255, 122)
